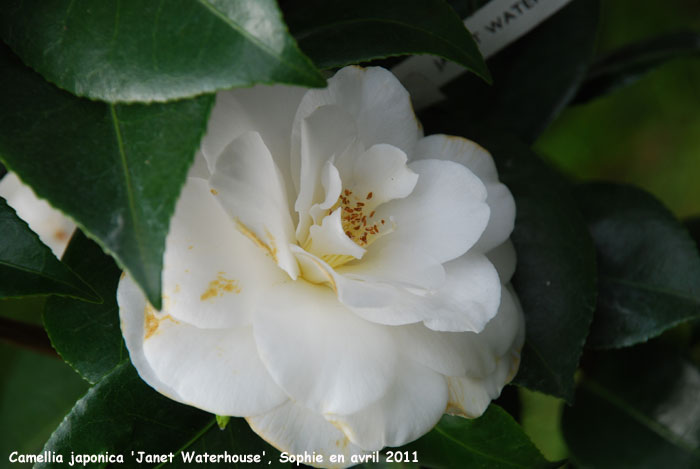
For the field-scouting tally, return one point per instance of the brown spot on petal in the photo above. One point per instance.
(60, 235)
(213, 191)
(153, 321)
(219, 286)
(455, 401)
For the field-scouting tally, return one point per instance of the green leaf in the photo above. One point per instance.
(540, 418)
(638, 408)
(492, 441)
(123, 415)
(555, 276)
(335, 33)
(36, 392)
(628, 64)
(648, 266)
(28, 267)
(130, 50)
(117, 170)
(466, 8)
(87, 335)
(534, 79)
(236, 439)
(27, 309)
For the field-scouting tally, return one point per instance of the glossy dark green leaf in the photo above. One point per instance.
(648, 266)
(28, 267)
(491, 441)
(693, 226)
(337, 32)
(533, 79)
(36, 392)
(130, 50)
(555, 276)
(87, 335)
(121, 414)
(236, 439)
(115, 169)
(27, 309)
(466, 8)
(627, 65)
(638, 408)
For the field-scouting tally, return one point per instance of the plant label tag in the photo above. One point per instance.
(494, 26)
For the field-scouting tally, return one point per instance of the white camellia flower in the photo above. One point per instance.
(54, 228)
(332, 275)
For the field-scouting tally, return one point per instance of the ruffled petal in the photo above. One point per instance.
(329, 238)
(217, 370)
(410, 408)
(380, 175)
(248, 185)
(465, 297)
(319, 352)
(212, 274)
(379, 296)
(466, 353)
(445, 214)
(293, 429)
(268, 110)
(375, 99)
(325, 134)
(53, 227)
(132, 308)
(468, 299)
(480, 162)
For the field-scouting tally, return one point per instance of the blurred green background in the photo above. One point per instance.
(646, 134)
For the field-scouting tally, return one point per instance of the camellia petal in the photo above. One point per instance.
(466, 353)
(250, 187)
(377, 102)
(479, 161)
(445, 214)
(218, 370)
(296, 430)
(268, 110)
(324, 133)
(319, 352)
(409, 409)
(53, 227)
(211, 276)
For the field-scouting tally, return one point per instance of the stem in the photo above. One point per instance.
(26, 336)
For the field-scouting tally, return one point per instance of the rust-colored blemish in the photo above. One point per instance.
(455, 404)
(272, 245)
(152, 321)
(190, 247)
(214, 191)
(272, 251)
(342, 444)
(219, 286)
(60, 235)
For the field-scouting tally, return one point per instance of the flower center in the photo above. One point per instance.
(358, 217)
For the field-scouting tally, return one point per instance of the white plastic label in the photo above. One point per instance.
(494, 26)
